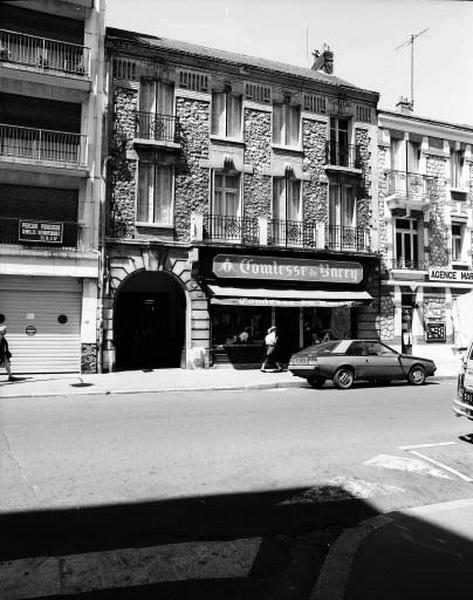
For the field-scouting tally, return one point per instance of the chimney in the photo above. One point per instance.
(323, 60)
(404, 106)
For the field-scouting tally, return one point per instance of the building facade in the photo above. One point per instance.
(425, 212)
(240, 195)
(51, 110)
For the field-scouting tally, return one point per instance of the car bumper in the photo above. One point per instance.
(302, 370)
(462, 410)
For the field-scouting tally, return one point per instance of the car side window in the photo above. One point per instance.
(356, 349)
(470, 353)
(377, 349)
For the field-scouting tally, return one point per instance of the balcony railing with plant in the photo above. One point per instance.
(10, 234)
(292, 233)
(155, 127)
(43, 53)
(356, 239)
(239, 230)
(43, 144)
(343, 155)
(411, 185)
(410, 264)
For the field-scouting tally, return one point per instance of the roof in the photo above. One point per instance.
(230, 57)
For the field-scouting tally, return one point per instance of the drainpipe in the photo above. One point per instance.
(103, 217)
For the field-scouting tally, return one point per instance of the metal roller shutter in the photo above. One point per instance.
(37, 302)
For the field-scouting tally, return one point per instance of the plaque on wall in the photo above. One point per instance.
(435, 332)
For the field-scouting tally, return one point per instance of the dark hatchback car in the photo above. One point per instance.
(345, 361)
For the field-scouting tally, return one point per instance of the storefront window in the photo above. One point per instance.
(232, 325)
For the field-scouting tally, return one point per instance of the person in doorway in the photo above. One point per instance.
(5, 354)
(244, 336)
(271, 341)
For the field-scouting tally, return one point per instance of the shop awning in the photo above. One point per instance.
(234, 296)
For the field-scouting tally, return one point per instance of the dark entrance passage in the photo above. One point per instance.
(288, 326)
(149, 322)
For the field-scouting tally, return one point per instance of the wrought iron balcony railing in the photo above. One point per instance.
(151, 126)
(343, 155)
(292, 233)
(410, 264)
(43, 144)
(43, 53)
(10, 233)
(411, 185)
(356, 239)
(239, 230)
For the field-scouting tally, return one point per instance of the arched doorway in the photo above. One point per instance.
(149, 322)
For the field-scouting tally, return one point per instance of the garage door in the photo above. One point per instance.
(43, 321)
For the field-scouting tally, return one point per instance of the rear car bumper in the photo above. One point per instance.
(302, 371)
(462, 410)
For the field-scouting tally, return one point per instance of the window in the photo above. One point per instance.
(457, 241)
(407, 243)
(356, 349)
(155, 193)
(226, 201)
(342, 209)
(155, 119)
(286, 124)
(339, 148)
(226, 115)
(286, 199)
(456, 168)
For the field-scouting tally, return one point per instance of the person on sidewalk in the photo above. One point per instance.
(5, 353)
(271, 341)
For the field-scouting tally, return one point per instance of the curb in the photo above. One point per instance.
(228, 388)
(334, 575)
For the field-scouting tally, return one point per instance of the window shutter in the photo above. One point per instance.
(163, 197)
(148, 96)
(234, 116)
(145, 192)
(293, 129)
(277, 123)
(278, 198)
(294, 204)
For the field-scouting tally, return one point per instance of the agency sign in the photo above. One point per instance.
(450, 275)
(290, 269)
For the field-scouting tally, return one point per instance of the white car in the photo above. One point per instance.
(463, 402)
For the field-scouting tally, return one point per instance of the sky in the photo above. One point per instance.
(363, 35)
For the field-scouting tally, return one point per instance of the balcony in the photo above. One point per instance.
(64, 237)
(342, 155)
(348, 239)
(292, 233)
(44, 54)
(25, 143)
(410, 191)
(152, 127)
(405, 264)
(236, 230)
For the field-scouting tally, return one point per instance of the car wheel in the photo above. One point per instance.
(316, 382)
(344, 378)
(417, 375)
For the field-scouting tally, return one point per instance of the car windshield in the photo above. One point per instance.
(326, 348)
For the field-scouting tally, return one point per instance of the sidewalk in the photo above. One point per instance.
(420, 553)
(159, 380)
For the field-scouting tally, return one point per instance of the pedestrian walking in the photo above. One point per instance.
(271, 341)
(5, 354)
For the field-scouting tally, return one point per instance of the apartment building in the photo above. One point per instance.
(425, 208)
(51, 107)
(240, 195)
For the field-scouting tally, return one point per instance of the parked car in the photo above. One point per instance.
(345, 361)
(463, 402)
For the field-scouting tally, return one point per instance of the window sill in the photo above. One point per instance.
(282, 148)
(162, 226)
(219, 139)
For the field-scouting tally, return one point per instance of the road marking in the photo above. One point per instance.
(426, 445)
(442, 466)
(78, 573)
(401, 463)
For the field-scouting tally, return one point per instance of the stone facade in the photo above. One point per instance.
(191, 181)
(364, 207)
(88, 358)
(315, 198)
(257, 154)
(438, 228)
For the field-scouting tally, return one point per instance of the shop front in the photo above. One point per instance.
(308, 300)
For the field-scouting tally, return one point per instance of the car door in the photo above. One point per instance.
(468, 362)
(383, 362)
(357, 357)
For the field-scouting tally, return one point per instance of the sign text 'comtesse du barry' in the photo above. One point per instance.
(265, 267)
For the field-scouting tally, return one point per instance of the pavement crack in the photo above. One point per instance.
(11, 463)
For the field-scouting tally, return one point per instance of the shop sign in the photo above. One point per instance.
(436, 274)
(292, 269)
(40, 231)
(435, 332)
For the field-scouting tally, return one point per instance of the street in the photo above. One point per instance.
(258, 470)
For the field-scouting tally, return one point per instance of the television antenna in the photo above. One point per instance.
(410, 41)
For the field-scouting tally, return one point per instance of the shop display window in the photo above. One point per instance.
(239, 325)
